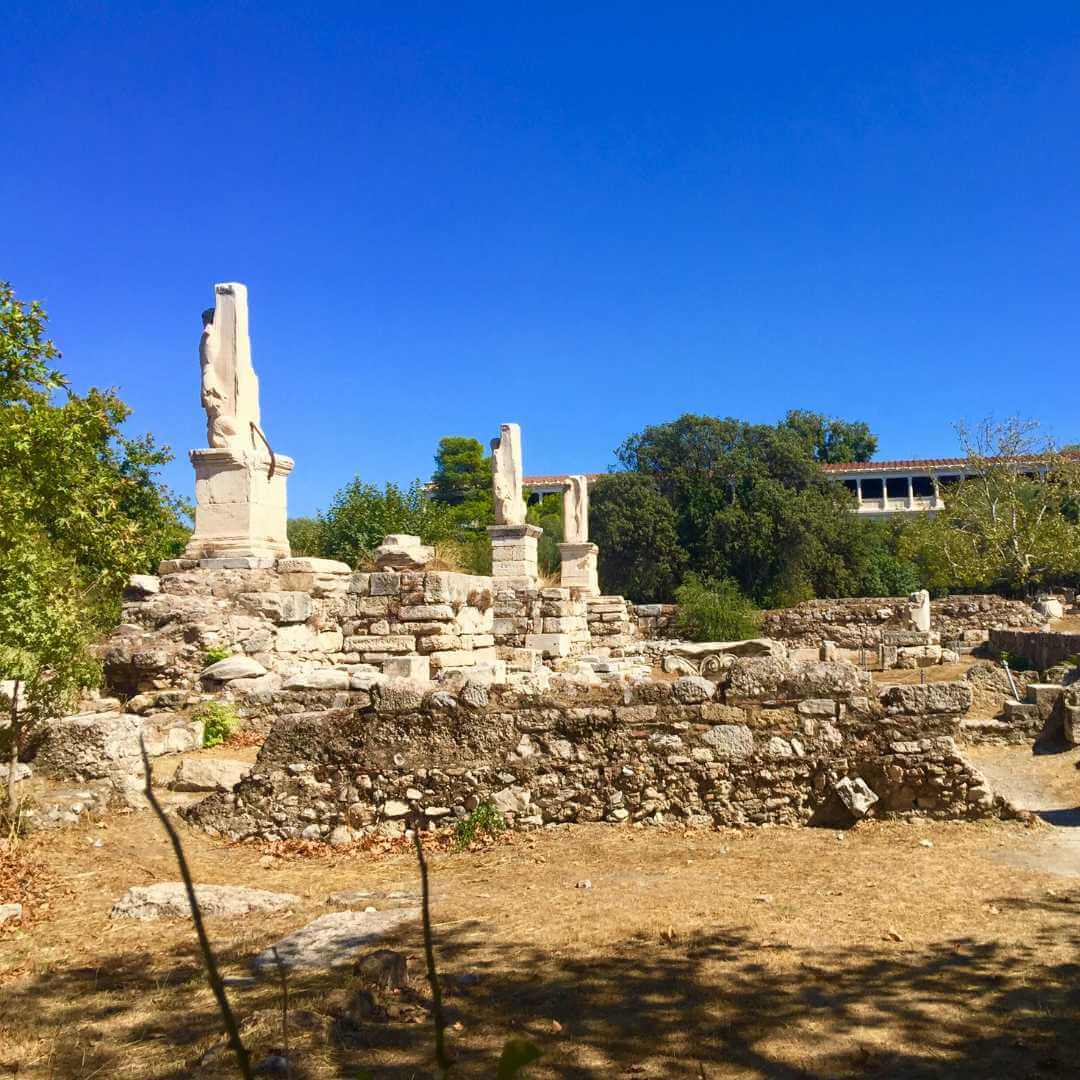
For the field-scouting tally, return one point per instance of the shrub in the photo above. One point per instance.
(484, 819)
(714, 610)
(216, 653)
(219, 721)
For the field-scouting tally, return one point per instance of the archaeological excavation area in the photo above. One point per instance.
(842, 848)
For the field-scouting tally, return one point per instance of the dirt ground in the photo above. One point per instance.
(766, 953)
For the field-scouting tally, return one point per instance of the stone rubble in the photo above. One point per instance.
(169, 900)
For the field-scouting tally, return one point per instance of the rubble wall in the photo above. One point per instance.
(766, 744)
(291, 618)
(1041, 649)
(854, 623)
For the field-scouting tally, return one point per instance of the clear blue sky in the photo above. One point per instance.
(584, 218)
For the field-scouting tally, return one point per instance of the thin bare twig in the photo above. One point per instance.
(441, 1057)
(212, 973)
(284, 1011)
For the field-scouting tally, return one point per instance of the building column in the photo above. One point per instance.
(910, 494)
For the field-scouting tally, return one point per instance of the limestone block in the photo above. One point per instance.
(730, 740)
(239, 504)
(279, 606)
(408, 667)
(318, 585)
(360, 584)
(168, 899)
(296, 638)
(329, 641)
(385, 584)
(578, 570)
(550, 645)
(400, 551)
(233, 667)
(305, 565)
(140, 585)
(319, 679)
(426, 613)
(388, 643)
(855, 795)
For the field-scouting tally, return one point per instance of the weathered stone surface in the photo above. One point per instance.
(208, 774)
(307, 565)
(331, 940)
(319, 679)
(168, 899)
(142, 585)
(89, 745)
(730, 740)
(403, 552)
(10, 913)
(507, 476)
(279, 606)
(855, 795)
(233, 667)
(693, 689)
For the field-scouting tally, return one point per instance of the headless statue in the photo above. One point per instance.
(507, 478)
(230, 387)
(576, 511)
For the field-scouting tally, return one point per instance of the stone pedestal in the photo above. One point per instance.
(239, 506)
(513, 555)
(578, 570)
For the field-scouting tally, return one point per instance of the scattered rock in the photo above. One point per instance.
(10, 913)
(331, 940)
(168, 900)
(856, 796)
(386, 969)
(233, 667)
(208, 774)
(585, 884)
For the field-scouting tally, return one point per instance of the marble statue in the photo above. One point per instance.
(576, 511)
(507, 476)
(230, 387)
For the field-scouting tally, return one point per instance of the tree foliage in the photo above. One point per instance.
(81, 511)
(749, 503)
(830, 440)
(1010, 525)
(361, 515)
(636, 530)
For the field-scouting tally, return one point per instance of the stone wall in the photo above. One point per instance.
(655, 621)
(1042, 649)
(854, 623)
(284, 621)
(771, 742)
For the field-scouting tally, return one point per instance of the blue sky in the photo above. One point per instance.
(584, 218)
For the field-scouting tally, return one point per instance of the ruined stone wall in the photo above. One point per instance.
(655, 621)
(853, 623)
(550, 621)
(766, 744)
(1041, 649)
(293, 620)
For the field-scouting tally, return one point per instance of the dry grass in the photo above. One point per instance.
(771, 952)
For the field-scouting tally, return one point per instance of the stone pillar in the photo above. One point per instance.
(239, 505)
(578, 569)
(513, 555)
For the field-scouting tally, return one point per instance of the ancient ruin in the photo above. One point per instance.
(577, 555)
(240, 499)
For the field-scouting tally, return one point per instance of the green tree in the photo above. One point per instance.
(635, 528)
(752, 504)
(361, 515)
(462, 472)
(831, 440)
(305, 536)
(1012, 523)
(81, 511)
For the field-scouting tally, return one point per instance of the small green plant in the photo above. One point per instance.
(216, 653)
(484, 819)
(219, 720)
(714, 610)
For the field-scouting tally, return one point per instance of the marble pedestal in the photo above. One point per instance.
(513, 555)
(239, 507)
(578, 570)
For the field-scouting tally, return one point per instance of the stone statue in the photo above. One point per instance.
(920, 610)
(576, 511)
(507, 476)
(230, 388)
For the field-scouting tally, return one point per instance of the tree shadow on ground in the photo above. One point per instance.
(713, 1004)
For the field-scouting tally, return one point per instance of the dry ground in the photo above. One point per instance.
(767, 953)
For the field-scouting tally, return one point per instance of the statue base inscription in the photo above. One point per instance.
(239, 505)
(578, 568)
(513, 554)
